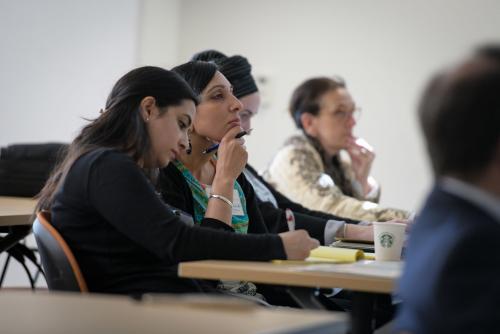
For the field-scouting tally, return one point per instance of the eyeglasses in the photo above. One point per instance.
(344, 115)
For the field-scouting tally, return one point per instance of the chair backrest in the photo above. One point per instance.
(59, 264)
(24, 168)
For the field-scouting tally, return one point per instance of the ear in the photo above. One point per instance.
(308, 121)
(148, 108)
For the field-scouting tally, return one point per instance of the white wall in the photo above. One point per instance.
(159, 33)
(385, 49)
(58, 61)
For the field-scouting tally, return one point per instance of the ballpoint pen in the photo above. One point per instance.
(216, 146)
(290, 219)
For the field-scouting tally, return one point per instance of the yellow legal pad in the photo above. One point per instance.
(337, 254)
(324, 254)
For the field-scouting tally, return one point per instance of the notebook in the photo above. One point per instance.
(365, 246)
(338, 255)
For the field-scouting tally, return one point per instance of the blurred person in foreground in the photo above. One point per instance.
(449, 284)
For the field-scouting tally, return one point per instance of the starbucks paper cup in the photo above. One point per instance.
(388, 239)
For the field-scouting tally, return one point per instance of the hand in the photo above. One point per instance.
(359, 232)
(362, 157)
(232, 156)
(298, 244)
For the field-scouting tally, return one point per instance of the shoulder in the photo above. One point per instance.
(103, 159)
(441, 204)
(450, 229)
(103, 155)
(298, 142)
(298, 149)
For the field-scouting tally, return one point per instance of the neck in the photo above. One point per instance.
(325, 152)
(197, 162)
(489, 181)
(331, 153)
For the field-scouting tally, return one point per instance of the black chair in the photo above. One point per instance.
(61, 269)
(24, 168)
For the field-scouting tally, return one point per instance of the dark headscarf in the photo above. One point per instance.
(236, 69)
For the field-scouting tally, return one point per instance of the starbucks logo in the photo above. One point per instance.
(386, 239)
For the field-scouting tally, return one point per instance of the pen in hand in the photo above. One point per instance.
(216, 146)
(290, 219)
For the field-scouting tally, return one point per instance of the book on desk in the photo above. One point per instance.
(338, 254)
(365, 246)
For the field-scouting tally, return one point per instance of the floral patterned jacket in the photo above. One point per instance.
(298, 171)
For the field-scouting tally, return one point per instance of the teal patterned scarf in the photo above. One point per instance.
(200, 200)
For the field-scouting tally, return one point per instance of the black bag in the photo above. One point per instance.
(24, 168)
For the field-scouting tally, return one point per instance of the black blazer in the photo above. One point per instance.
(263, 216)
(452, 270)
(312, 221)
(285, 203)
(175, 190)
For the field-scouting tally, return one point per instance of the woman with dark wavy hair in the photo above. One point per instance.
(194, 180)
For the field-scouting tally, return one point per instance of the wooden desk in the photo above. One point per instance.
(16, 210)
(287, 274)
(15, 213)
(366, 279)
(76, 313)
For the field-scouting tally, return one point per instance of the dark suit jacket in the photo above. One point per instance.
(312, 221)
(264, 217)
(451, 280)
